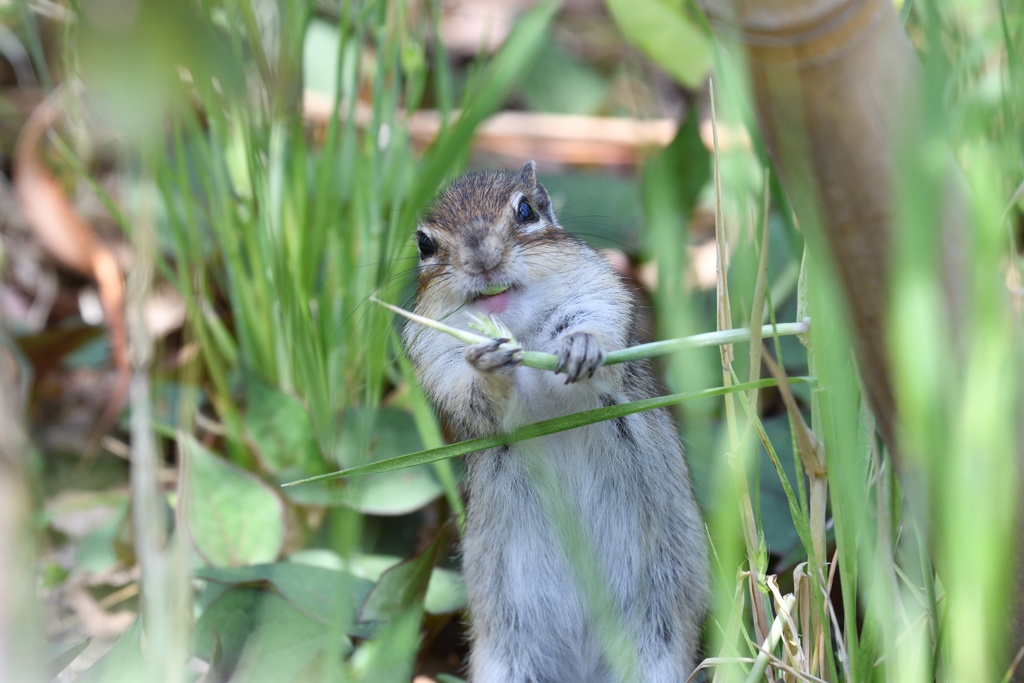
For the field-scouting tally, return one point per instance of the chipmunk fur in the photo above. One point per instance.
(626, 479)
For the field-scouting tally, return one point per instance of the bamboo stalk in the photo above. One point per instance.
(828, 78)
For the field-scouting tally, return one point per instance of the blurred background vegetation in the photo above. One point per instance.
(254, 169)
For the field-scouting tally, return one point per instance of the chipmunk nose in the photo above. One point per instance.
(482, 252)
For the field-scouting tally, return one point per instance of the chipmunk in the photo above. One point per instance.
(491, 245)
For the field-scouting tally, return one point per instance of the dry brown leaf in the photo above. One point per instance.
(72, 242)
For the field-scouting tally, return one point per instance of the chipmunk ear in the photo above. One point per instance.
(528, 174)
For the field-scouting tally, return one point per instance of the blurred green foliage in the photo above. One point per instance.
(275, 232)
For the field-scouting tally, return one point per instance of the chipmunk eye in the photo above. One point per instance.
(426, 244)
(524, 212)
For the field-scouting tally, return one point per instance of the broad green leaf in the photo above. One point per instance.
(394, 493)
(666, 35)
(396, 602)
(97, 551)
(280, 428)
(403, 587)
(325, 595)
(391, 654)
(231, 516)
(318, 557)
(558, 82)
(446, 590)
(322, 494)
(388, 494)
(220, 633)
(124, 662)
(255, 635)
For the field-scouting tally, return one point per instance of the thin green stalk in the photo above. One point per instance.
(740, 447)
(547, 361)
(161, 585)
(761, 663)
(532, 431)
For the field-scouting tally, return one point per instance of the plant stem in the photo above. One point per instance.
(531, 431)
(547, 361)
(763, 657)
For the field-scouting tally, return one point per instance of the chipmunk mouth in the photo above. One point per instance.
(494, 299)
(494, 290)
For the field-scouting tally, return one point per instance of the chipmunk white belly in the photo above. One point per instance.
(547, 511)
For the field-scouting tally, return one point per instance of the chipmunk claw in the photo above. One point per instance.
(490, 357)
(579, 356)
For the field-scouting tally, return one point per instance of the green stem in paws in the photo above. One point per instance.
(547, 361)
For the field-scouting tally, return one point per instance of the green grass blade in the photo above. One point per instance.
(558, 424)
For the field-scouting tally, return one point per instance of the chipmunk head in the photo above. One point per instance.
(478, 243)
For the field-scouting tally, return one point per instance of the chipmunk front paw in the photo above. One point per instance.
(490, 357)
(579, 356)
